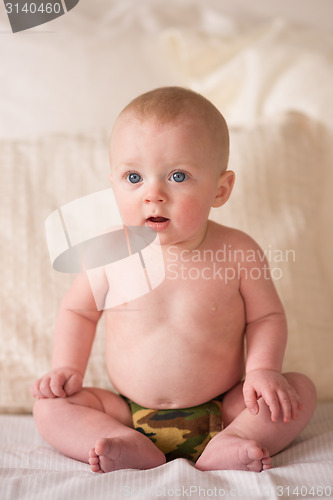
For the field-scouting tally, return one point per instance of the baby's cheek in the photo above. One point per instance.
(127, 213)
(195, 213)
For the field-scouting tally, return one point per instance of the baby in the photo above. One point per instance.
(176, 354)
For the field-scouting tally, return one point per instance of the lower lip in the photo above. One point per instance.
(157, 226)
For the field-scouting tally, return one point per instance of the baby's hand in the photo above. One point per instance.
(275, 390)
(57, 383)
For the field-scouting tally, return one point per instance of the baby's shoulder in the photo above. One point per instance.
(225, 236)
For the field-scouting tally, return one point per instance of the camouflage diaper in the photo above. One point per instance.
(179, 433)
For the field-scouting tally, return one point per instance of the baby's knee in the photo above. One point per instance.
(40, 406)
(47, 410)
(304, 387)
(43, 410)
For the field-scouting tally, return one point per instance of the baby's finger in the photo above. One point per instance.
(273, 404)
(295, 402)
(56, 385)
(73, 385)
(34, 390)
(44, 388)
(286, 406)
(250, 399)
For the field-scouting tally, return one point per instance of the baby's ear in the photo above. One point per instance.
(224, 187)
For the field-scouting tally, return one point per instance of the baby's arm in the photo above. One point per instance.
(74, 334)
(266, 338)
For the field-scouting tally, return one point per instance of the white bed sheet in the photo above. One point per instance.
(32, 470)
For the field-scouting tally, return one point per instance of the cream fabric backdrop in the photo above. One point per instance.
(61, 89)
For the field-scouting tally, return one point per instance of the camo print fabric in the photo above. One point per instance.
(179, 433)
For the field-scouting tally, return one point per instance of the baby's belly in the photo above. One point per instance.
(168, 372)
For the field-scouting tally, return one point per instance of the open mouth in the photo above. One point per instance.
(158, 223)
(158, 219)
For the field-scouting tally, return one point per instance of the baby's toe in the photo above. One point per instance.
(96, 469)
(255, 458)
(255, 466)
(94, 461)
(266, 461)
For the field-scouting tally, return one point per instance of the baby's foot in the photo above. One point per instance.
(227, 452)
(110, 454)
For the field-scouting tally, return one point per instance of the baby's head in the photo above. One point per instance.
(167, 105)
(169, 154)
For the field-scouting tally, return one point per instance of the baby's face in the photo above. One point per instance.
(164, 176)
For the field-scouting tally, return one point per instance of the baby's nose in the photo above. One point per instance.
(155, 193)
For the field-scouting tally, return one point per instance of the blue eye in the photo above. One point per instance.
(179, 176)
(134, 178)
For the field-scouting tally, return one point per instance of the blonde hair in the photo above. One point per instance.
(167, 104)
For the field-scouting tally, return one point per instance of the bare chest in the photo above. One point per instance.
(194, 297)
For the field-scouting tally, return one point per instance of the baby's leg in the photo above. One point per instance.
(95, 426)
(247, 442)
